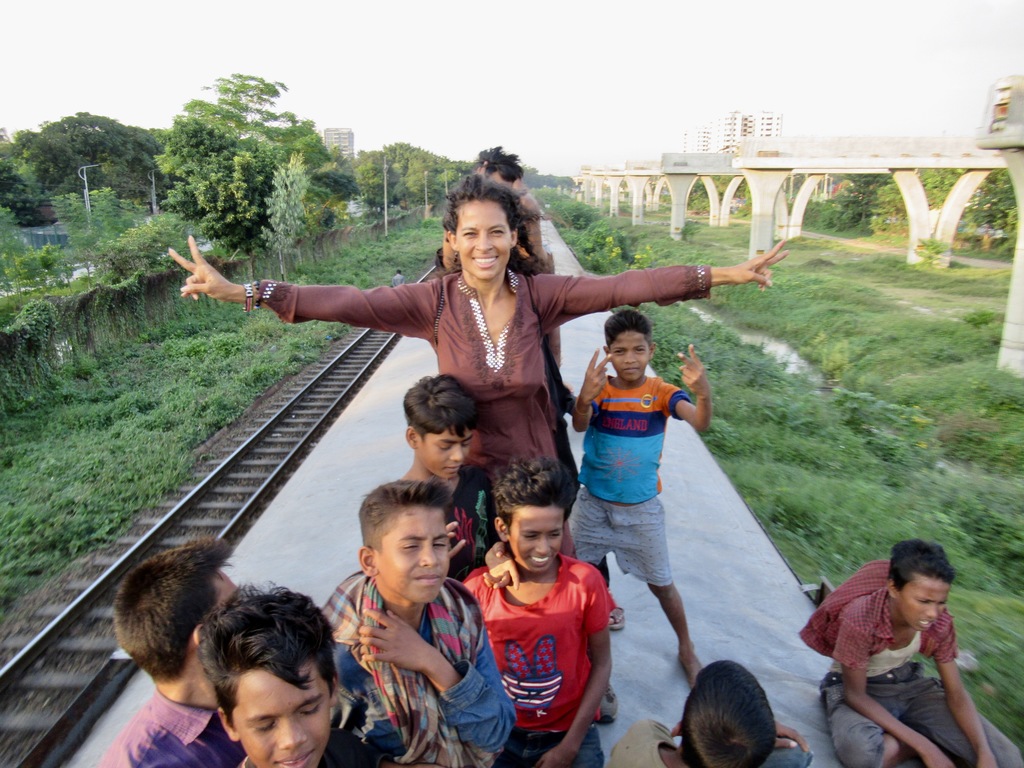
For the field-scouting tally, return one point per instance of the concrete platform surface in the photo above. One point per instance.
(742, 600)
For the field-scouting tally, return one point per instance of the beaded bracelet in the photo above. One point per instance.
(703, 278)
(255, 288)
(248, 298)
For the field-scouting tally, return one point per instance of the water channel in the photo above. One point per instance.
(780, 350)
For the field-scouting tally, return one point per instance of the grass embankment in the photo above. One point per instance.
(923, 437)
(118, 432)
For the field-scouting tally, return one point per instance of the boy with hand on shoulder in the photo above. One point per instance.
(881, 709)
(625, 416)
(270, 658)
(441, 418)
(416, 670)
(727, 723)
(549, 629)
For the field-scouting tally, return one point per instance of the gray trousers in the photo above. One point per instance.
(917, 701)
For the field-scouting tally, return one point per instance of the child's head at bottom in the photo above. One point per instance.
(405, 542)
(727, 721)
(533, 498)
(270, 657)
(441, 418)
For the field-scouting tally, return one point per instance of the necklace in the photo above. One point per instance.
(494, 352)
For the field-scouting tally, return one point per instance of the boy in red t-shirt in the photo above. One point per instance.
(549, 632)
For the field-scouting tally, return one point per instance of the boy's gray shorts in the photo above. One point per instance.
(635, 533)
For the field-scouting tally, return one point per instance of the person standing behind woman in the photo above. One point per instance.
(486, 320)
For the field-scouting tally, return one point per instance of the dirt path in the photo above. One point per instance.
(965, 260)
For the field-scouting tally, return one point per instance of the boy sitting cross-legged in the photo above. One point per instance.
(441, 419)
(550, 629)
(625, 416)
(417, 672)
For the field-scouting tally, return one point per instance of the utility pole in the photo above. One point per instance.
(152, 192)
(424, 194)
(83, 174)
(385, 196)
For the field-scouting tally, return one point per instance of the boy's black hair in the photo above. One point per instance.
(496, 160)
(435, 404)
(474, 189)
(727, 721)
(276, 631)
(627, 320)
(543, 482)
(161, 601)
(914, 557)
(386, 502)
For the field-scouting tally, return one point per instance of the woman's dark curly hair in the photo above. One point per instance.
(477, 188)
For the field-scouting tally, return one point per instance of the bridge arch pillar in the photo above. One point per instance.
(680, 185)
(918, 214)
(727, 198)
(1011, 350)
(599, 191)
(637, 186)
(714, 204)
(613, 194)
(956, 201)
(764, 191)
(794, 227)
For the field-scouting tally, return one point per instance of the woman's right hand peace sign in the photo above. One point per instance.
(206, 279)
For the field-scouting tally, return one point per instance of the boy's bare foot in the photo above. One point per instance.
(690, 663)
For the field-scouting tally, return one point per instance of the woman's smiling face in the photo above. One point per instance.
(483, 241)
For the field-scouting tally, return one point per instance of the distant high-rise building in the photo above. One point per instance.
(724, 135)
(342, 138)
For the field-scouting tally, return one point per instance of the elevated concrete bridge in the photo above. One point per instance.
(766, 164)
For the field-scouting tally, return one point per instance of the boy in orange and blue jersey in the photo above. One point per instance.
(625, 416)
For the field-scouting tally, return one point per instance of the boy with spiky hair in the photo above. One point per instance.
(882, 710)
(550, 627)
(417, 671)
(270, 657)
(158, 609)
(441, 418)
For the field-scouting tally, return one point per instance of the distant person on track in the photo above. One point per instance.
(441, 418)
(417, 674)
(625, 417)
(158, 610)
(882, 710)
(398, 279)
(727, 723)
(270, 656)
(487, 320)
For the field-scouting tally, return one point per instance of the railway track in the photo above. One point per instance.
(56, 683)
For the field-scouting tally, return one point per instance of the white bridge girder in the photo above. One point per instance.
(765, 164)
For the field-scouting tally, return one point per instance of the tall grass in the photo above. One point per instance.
(922, 437)
(117, 431)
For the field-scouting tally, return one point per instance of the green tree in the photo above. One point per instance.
(287, 213)
(11, 247)
(245, 104)
(92, 233)
(994, 205)
(124, 155)
(142, 248)
(224, 181)
(19, 195)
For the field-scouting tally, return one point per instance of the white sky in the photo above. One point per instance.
(588, 82)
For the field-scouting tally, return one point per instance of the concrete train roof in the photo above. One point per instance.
(742, 600)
